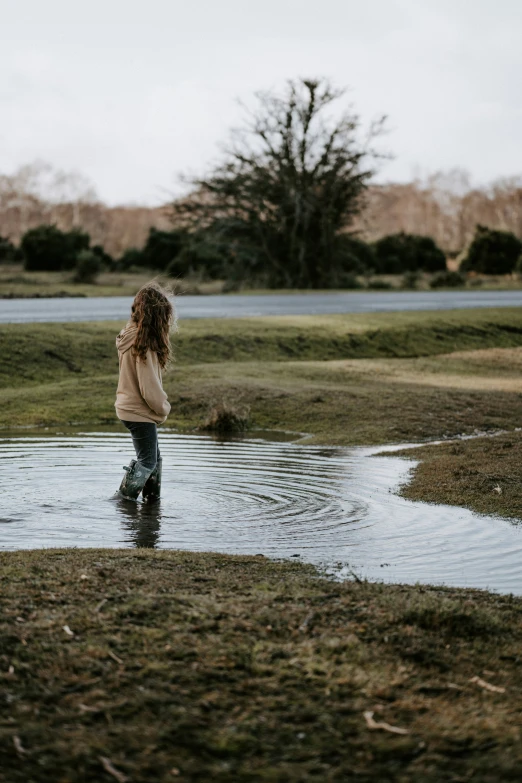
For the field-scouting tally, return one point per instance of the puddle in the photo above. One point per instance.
(330, 506)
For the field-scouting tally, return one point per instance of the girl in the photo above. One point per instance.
(141, 404)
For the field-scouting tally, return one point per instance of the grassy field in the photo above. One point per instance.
(158, 666)
(355, 379)
(15, 282)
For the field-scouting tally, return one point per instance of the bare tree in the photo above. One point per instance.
(292, 178)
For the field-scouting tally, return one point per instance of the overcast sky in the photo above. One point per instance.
(131, 92)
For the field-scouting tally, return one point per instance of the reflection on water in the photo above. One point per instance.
(142, 521)
(334, 507)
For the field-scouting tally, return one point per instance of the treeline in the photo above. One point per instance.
(444, 206)
(289, 204)
(38, 194)
(181, 254)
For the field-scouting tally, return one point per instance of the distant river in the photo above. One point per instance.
(116, 308)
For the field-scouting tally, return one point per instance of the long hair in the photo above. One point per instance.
(153, 314)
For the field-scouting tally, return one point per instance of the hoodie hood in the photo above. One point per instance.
(126, 337)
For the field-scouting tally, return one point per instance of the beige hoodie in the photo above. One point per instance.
(140, 395)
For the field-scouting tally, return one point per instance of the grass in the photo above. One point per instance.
(340, 378)
(482, 474)
(157, 666)
(164, 665)
(15, 282)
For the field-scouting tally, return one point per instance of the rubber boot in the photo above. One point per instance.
(134, 480)
(152, 489)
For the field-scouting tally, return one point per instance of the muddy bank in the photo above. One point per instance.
(484, 474)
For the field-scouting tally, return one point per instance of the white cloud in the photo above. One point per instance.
(132, 92)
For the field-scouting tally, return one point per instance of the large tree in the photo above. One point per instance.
(290, 183)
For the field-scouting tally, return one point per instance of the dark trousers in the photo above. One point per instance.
(145, 439)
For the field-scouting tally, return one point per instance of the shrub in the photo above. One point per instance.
(492, 252)
(106, 259)
(448, 280)
(8, 252)
(355, 256)
(162, 247)
(350, 282)
(199, 258)
(130, 258)
(402, 252)
(225, 418)
(88, 267)
(410, 280)
(46, 248)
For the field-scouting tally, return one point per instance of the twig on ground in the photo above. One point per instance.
(111, 769)
(373, 724)
(20, 750)
(487, 685)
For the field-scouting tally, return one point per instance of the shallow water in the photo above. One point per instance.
(333, 507)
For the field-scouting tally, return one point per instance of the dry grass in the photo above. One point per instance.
(15, 282)
(483, 474)
(226, 418)
(208, 667)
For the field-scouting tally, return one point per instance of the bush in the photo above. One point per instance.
(410, 280)
(199, 258)
(380, 285)
(48, 249)
(106, 259)
(398, 253)
(162, 247)
(448, 280)
(8, 252)
(355, 256)
(350, 282)
(130, 258)
(88, 267)
(492, 252)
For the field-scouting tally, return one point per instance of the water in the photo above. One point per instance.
(330, 506)
(233, 306)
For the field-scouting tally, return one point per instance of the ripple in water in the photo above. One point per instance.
(333, 507)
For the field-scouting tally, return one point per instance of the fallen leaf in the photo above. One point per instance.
(487, 685)
(111, 769)
(67, 630)
(373, 724)
(498, 489)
